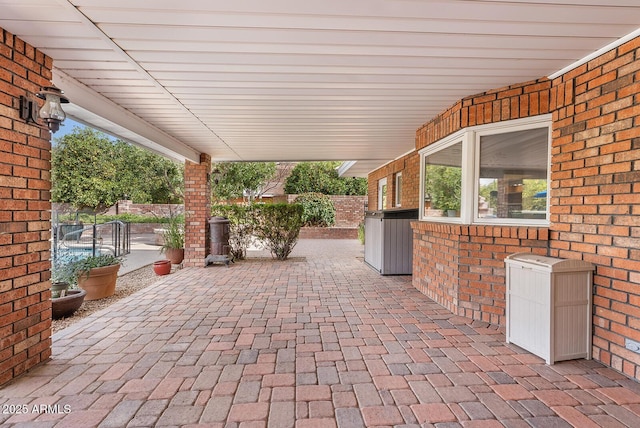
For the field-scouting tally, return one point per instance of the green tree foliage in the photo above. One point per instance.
(146, 177)
(322, 177)
(240, 179)
(83, 172)
(91, 171)
(444, 185)
(531, 188)
(317, 209)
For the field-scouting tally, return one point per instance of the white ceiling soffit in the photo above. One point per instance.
(290, 80)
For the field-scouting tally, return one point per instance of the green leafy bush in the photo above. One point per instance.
(242, 223)
(317, 209)
(361, 232)
(278, 226)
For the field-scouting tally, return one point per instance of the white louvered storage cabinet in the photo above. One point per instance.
(549, 306)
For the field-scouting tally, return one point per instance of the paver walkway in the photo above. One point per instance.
(320, 340)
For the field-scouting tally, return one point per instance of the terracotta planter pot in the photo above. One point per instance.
(162, 267)
(100, 283)
(175, 255)
(62, 307)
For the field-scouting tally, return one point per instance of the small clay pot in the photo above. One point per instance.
(162, 267)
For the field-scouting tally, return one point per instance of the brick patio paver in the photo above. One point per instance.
(320, 340)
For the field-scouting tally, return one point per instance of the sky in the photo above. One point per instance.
(67, 127)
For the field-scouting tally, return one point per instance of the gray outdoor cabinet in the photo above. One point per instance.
(388, 243)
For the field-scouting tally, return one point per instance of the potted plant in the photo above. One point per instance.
(96, 275)
(173, 246)
(64, 299)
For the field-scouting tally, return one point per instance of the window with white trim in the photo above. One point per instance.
(382, 193)
(442, 184)
(490, 174)
(398, 189)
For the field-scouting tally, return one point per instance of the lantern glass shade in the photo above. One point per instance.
(52, 108)
(51, 112)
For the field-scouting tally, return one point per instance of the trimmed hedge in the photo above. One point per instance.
(126, 217)
(318, 209)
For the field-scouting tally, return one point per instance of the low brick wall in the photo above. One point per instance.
(144, 228)
(462, 267)
(158, 210)
(328, 233)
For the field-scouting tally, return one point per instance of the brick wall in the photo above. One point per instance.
(328, 233)
(157, 210)
(25, 306)
(595, 196)
(462, 267)
(512, 102)
(197, 210)
(595, 200)
(409, 166)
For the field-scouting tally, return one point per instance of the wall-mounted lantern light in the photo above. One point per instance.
(51, 112)
(216, 176)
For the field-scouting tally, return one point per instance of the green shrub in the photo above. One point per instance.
(317, 209)
(242, 222)
(278, 226)
(361, 232)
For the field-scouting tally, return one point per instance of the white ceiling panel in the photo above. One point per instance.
(298, 80)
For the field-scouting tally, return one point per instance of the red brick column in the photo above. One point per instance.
(25, 306)
(197, 210)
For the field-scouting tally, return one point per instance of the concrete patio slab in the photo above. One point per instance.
(318, 340)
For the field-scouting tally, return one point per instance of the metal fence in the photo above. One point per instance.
(77, 240)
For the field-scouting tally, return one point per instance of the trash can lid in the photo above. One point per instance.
(553, 264)
(218, 219)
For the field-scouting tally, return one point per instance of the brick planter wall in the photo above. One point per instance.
(25, 306)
